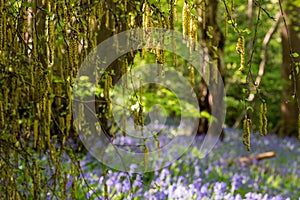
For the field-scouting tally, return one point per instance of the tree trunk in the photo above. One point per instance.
(290, 44)
(213, 40)
(108, 28)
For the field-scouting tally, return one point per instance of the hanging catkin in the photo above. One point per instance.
(135, 118)
(74, 190)
(172, 20)
(124, 74)
(146, 158)
(65, 17)
(33, 188)
(190, 35)
(207, 73)
(35, 132)
(48, 107)
(226, 24)
(105, 191)
(141, 117)
(15, 152)
(124, 120)
(246, 133)
(69, 111)
(172, 13)
(192, 76)
(51, 34)
(215, 70)
(106, 90)
(158, 146)
(34, 36)
(107, 86)
(74, 182)
(203, 14)
(265, 119)
(38, 175)
(26, 176)
(100, 11)
(240, 48)
(2, 20)
(195, 35)
(71, 57)
(2, 121)
(147, 22)
(261, 116)
(65, 182)
(186, 16)
(107, 19)
(299, 126)
(75, 50)
(141, 109)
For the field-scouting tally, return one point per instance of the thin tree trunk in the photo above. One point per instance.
(291, 85)
(213, 40)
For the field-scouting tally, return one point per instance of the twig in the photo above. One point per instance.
(249, 64)
(262, 64)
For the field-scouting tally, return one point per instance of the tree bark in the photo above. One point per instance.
(290, 44)
(213, 40)
(105, 31)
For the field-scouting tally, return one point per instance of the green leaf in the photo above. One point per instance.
(250, 108)
(297, 70)
(293, 97)
(254, 92)
(246, 30)
(230, 21)
(245, 90)
(295, 55)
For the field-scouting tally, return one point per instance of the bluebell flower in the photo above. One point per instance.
(236, 182)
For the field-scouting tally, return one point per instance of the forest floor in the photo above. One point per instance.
(221, 174)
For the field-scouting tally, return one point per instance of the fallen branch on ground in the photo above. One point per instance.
(258, 157)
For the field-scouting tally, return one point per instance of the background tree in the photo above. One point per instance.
(290, 34)
(213, 40)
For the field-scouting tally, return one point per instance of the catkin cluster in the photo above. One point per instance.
(138, 117)
(107, 86)
(124, 74)
(240, 49)
(263, 120)
(246, 133)
(138, 114)
(147, 20)
(226, 23)
(189, 27)
(1, 23)
(186, 17)
(192, 43)
(172, 12)
(51, 32)
(192, 76)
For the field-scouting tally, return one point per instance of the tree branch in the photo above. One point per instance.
(258, 157)
(262, 64)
